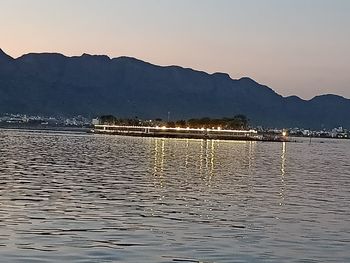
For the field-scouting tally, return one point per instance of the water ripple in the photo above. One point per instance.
(85, 198)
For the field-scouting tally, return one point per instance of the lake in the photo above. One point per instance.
(98, 198)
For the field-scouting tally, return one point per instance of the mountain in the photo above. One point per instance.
(90, 85)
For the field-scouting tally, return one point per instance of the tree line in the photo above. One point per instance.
(237, 122)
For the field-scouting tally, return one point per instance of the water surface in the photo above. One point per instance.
(100, 198)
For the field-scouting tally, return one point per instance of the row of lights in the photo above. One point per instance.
(179, 128)
(188, 128)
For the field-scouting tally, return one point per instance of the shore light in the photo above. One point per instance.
(284, 133)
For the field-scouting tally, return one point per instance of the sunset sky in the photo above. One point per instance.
(299, 47)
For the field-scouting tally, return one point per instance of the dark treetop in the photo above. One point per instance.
(53, 84)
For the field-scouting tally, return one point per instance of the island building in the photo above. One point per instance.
(178, 132)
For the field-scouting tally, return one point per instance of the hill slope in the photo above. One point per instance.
(53, 84)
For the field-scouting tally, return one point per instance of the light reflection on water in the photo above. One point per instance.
(85, 198)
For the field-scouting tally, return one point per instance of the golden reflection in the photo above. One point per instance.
(204, 159)
(186, 153)
(201, 157)
(283, 172)
(207, 159)
(155, 164)
(251, 153)
(159, 158)
(248, 160)
(212, 162)
(207, 152)
(212, 158)
(283, 157)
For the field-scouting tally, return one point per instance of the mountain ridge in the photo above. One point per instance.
(52, 83)
(4, 56)
(244, 78)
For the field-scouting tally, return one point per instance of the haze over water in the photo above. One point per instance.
(94, 198)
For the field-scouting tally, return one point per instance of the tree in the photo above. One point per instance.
(181, 123)
(108, 119)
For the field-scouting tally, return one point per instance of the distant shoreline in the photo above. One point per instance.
(88, 130)
(40, 128)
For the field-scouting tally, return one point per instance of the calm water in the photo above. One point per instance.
(94, 198)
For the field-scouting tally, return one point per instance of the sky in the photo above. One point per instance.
(296, 47)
